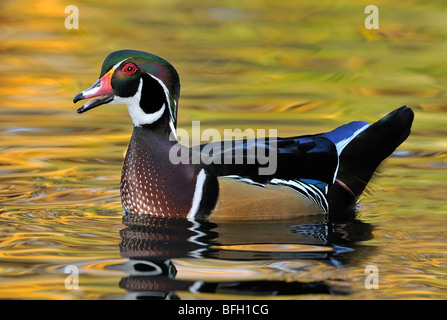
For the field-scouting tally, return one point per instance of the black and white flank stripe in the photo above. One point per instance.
(307, 190)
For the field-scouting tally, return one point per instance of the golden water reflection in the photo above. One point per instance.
(277, 258)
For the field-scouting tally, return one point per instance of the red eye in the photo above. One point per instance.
(129, 68)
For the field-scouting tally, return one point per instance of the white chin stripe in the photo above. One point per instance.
(139, 117)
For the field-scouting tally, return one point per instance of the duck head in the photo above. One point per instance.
(146, 83)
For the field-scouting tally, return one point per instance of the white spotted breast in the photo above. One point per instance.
(150, 183)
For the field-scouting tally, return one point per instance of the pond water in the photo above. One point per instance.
(296, 66)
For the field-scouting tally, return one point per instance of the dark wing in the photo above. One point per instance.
(307, 157)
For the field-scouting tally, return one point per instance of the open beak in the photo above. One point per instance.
(102, 90)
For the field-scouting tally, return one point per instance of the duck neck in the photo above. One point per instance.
(163, 129)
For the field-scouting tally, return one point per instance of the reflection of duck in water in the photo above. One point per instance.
(296, 257)
(314, 174)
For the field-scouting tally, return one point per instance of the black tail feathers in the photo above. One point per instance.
(361, 157)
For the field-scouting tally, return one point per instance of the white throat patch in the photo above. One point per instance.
(139, 117)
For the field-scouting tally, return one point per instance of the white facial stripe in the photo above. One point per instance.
(116, 65)
(173, 130)
(165, 89)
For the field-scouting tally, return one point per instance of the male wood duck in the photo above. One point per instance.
(315, 174)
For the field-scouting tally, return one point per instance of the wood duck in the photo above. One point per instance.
(315, 174)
